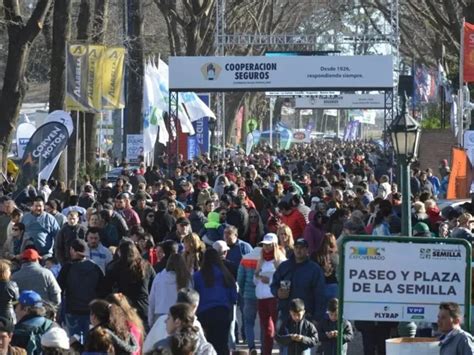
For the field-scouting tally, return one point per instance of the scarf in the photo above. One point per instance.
(269, 255)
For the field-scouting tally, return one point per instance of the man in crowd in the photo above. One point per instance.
(292, 218)
(31, 322)
(124, 208)
(453, 340)
(52, 208)
(6, 335)
(41, 228)
(237, 247)
(80, 280)
(72, 230)
(32, 276)
(96, 251)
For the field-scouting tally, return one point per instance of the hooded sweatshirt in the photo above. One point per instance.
(212, 231)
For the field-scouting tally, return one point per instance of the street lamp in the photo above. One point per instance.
(405, 132)
(212, 128)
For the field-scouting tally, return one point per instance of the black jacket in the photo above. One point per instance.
(165, 223)
(137, 291)
(81, 282)
(66, 235)
(8, 293)
(239, 218)
(304, 328)
(329, 345)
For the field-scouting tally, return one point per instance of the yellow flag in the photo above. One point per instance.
(95, 55)
(112, 78)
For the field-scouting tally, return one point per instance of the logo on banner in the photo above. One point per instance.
(386, 314)
(367, 253)
(440, 254)
(416, 312)
(78, 50)
(211, 71)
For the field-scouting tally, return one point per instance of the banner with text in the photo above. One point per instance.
(112, 78)
(390, 281)
(280, 73)
(468, 52)
(134, 148)
(341, 101)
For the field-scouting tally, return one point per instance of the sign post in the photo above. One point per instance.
(403, 279)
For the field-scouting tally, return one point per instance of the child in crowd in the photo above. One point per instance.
(327, 330)
(297, 334)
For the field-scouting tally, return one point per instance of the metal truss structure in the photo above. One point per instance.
(392, 37)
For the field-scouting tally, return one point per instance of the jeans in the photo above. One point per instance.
(216, 325)
(233, 325)
(267, 311)
(78, 324)
(250, 314)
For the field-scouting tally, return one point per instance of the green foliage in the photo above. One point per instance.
(431, 123)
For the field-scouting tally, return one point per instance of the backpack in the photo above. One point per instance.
(29, 337)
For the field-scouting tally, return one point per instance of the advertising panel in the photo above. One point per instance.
(280, 73)
(341, 101)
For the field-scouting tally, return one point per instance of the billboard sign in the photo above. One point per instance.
(341, 101)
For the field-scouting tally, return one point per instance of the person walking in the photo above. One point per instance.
(453, 340)
(270, 258)
(218, 293)
(80, 281)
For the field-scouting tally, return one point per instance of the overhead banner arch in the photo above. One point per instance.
(263, 73)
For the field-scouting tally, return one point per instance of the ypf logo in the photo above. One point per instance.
(78, 50)
(211, 71)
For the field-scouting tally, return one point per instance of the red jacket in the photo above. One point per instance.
(295, 220)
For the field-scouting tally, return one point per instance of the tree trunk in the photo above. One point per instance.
(57, 87)
(20, 37)
(133, 124)
(233, 102)
(83, 33)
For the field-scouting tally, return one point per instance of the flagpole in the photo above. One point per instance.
(461, 84)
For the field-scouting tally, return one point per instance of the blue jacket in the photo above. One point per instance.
(216, 296)
(246, 272)
(41, 230)
(237, 251)
(307, 283)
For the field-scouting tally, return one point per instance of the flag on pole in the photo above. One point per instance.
(468, 52)
(112, 78)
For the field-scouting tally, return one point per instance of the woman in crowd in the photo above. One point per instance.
(193, 253)
(443, 230)
(134, 322)
(218, 293)
(285, 240)
(328, 260)
(132, 276)
(99, 342)
(8, 291)
(183, 337)
(270, 258)
(255, 231)
(165, 287)
(112, 319)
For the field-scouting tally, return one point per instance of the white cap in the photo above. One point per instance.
(55, 338)
(220, 246)
(269, 238)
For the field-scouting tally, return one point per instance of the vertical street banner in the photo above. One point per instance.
(457, 186)
(77, 62)
(94, 75)
(468, 67)
(44, 146)
(112, 78)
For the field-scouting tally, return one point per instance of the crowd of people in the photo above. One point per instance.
(186, 261)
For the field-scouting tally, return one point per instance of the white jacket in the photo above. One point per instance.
(262, 290)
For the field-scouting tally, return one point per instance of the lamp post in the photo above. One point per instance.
(405, 133)
(212, 128)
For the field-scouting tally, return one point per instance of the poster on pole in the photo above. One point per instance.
(392, 279)
(134, 148)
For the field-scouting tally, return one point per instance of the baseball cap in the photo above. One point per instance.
(301, 242)
(30, 298)
(30, 255)
(182, 220)
(220, 246)
(55, 337)
(269, 238)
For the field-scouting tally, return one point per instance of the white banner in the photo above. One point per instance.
(134, 147)
(341, 101)
(281, 73)
(23, 135)
(390, 281)
(301, 136)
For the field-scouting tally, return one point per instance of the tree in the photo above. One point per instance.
(57, 88)
(20, 37)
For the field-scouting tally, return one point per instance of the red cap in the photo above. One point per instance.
(30, 255)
